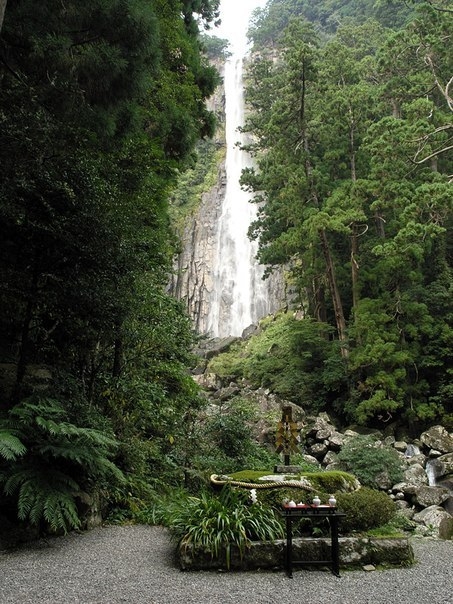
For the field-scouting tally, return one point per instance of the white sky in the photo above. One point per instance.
(235, 15)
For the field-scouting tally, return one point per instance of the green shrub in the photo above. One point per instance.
(49, 461)
(366, 459)
(294, 358)
(396, 527)
(216, 523)
(225, 441)
(365, 509)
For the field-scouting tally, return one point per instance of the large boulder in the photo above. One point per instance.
(336, 441)
(444, 465)
(319, 428)
(419, 458)
(208, 381)
(318, 450)
(225, 394)
(429, 496)
(434, 518)
(354, 552)
(416, 475)
(407, 488)
(383, 481)
(438, 438)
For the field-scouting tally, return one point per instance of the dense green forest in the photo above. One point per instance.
(352, 128)
(102, 104)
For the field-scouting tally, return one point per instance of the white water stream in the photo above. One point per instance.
(239, 295)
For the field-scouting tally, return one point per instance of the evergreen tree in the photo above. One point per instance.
(101, 103)
(353, 171)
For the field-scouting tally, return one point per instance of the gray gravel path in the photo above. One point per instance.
(134, 565)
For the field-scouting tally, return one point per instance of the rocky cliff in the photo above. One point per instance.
(193, 278)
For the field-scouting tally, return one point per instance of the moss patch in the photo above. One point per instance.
(331, 482)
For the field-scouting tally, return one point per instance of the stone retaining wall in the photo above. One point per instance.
(354, 552)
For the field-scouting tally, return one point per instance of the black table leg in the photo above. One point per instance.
(335, 546)
(289, 547)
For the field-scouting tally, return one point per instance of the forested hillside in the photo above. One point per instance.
(352, 125)
(101, 103)
(101, 106)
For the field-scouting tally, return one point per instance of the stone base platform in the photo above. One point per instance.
(355, 552)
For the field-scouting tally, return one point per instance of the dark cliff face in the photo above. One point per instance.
(193, 280)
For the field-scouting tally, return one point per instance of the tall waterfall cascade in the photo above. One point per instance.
(218, 275)
(239, 295)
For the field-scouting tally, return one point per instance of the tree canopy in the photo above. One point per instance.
(352, 143)
(101, 104)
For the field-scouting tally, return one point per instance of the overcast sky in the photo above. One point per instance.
(235, 16)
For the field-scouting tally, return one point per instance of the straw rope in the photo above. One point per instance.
(298, 484)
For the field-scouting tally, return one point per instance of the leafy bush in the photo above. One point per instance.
(294, 358)
(369, 460)
(397, 526)
(365, 509)
(217, 523)
(57, 461)
(224, 442)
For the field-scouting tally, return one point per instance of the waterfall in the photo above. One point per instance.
(412, 450)
(239, 295)
(431, 473)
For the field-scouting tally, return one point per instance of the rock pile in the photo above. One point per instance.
(425, 495)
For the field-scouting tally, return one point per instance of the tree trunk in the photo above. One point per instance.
(24, 347)
(380, 225)
(354, 235)
(355, 267)
(335, 292)
(2, 12)
(330, 270)
(318, 300)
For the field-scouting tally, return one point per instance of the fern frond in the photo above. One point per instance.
(61, 512)
(89, 458)
(105, 467)
(89, 435)
(11, 446)
(65, 450)
(48, 425)
(17, 475)
(48, 496)
(28, 410)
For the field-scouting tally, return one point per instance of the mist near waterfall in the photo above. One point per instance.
(239, 295)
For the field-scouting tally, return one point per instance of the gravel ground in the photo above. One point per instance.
(135, 565)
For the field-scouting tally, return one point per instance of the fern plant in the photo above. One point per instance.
(49, 461)
(43, 495)
(11, 446)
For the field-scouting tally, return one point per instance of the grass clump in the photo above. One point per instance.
(218, 523)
